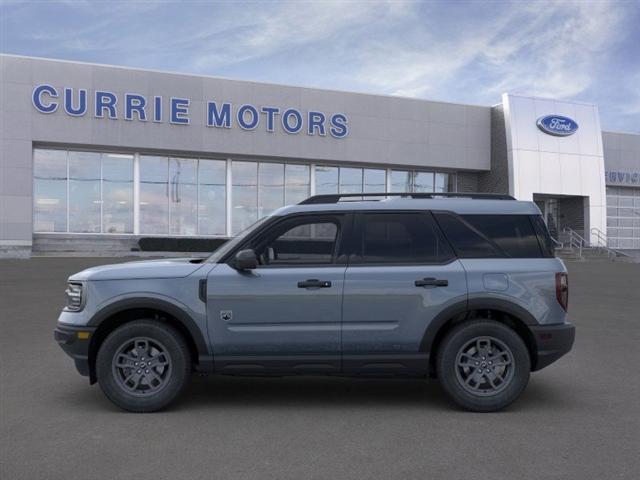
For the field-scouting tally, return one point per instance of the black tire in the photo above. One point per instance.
(468, 349)
(164, 379)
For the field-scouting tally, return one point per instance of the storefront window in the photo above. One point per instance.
(244, 195)
(296, 186)
(183, 196)
(400, 181)
(212, 197)
(50, 190)
(154, 195)
(326, 180)
(117, 193)
(374, 181)
(270, 188)
(423, 182)
(350, 180)
(92, 192)
(85, 202)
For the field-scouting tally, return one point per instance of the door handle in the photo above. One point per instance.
(431, 282)
(314, 283)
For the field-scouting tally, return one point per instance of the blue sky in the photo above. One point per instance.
(455, 51)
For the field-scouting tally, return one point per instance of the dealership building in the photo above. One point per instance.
(95, 156)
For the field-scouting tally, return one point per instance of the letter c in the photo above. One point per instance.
(37, 98)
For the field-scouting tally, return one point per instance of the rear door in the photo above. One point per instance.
(401, 274)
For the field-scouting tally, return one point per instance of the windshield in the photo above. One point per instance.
(233, 242)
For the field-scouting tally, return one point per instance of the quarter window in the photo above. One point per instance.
(491, 236)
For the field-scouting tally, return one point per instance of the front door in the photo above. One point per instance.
(285, 315)
(402, 275)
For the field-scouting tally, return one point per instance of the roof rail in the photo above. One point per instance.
(336, 197)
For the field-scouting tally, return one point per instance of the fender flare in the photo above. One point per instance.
(205, 360)
(465, 306)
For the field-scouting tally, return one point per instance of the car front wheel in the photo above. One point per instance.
(143, 365)
(483, 365)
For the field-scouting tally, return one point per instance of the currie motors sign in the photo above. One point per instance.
(132, 106)
(557, 125)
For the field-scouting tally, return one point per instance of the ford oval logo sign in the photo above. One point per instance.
(557, 125)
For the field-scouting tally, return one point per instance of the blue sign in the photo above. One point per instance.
(136, 107)
(557, 125)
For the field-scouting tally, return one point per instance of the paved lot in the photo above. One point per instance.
(580, 418)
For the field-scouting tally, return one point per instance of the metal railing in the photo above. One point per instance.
(576, 242)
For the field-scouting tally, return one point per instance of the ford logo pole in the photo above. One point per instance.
(557, 125)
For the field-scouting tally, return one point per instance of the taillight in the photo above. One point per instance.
(562, 290)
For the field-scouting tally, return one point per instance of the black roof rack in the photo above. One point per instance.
(336, 197)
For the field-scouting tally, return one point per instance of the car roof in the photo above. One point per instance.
(461, 206)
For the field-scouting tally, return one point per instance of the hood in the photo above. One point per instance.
(165, 268)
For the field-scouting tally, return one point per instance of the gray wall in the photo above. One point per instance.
(496, 180)
(621, 158)
(383, 130)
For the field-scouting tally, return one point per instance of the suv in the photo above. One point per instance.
(462, 287)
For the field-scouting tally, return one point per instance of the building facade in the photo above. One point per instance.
(93, 152)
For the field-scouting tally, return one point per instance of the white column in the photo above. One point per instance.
(228, 197)
(136, 194)
(312, 179)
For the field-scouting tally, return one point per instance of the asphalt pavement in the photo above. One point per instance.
(578, 418)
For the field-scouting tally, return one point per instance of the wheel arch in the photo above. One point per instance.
(503, 311)
(123, 311)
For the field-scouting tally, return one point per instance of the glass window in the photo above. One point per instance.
(513, 234)
(244, 195)
(423, 182)
(402, 238)
(443, 183)
(270, 188)
(296, 184)
(400, 181)
(350, 180)
(467, 241)
(326, 180)
(85, 204)
(117, 193)
(50, 190)
(154, 194)
(212, 201)
(374, 181)
(183, 196)
(301, 242)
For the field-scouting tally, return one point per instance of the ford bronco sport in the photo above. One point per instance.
(465, 288)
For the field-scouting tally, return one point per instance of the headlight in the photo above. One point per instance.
(74, 296)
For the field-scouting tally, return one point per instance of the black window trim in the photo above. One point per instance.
(339, 258)
(354, 252)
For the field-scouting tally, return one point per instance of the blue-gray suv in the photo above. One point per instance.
(465, 288)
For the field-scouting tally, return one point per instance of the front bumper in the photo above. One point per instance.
(75, 341)
(552, 342)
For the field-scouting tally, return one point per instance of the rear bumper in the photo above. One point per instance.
(75, 345)
(552, 342)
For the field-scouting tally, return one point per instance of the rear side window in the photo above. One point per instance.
(490, 236)
(400, 238)
(544, 237)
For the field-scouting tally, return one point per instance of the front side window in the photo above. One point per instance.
(310, 241)
(411, 237)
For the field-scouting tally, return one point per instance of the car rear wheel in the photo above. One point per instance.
(483, 365)
(143, 365)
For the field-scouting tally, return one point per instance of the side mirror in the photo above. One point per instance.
(246, 260)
